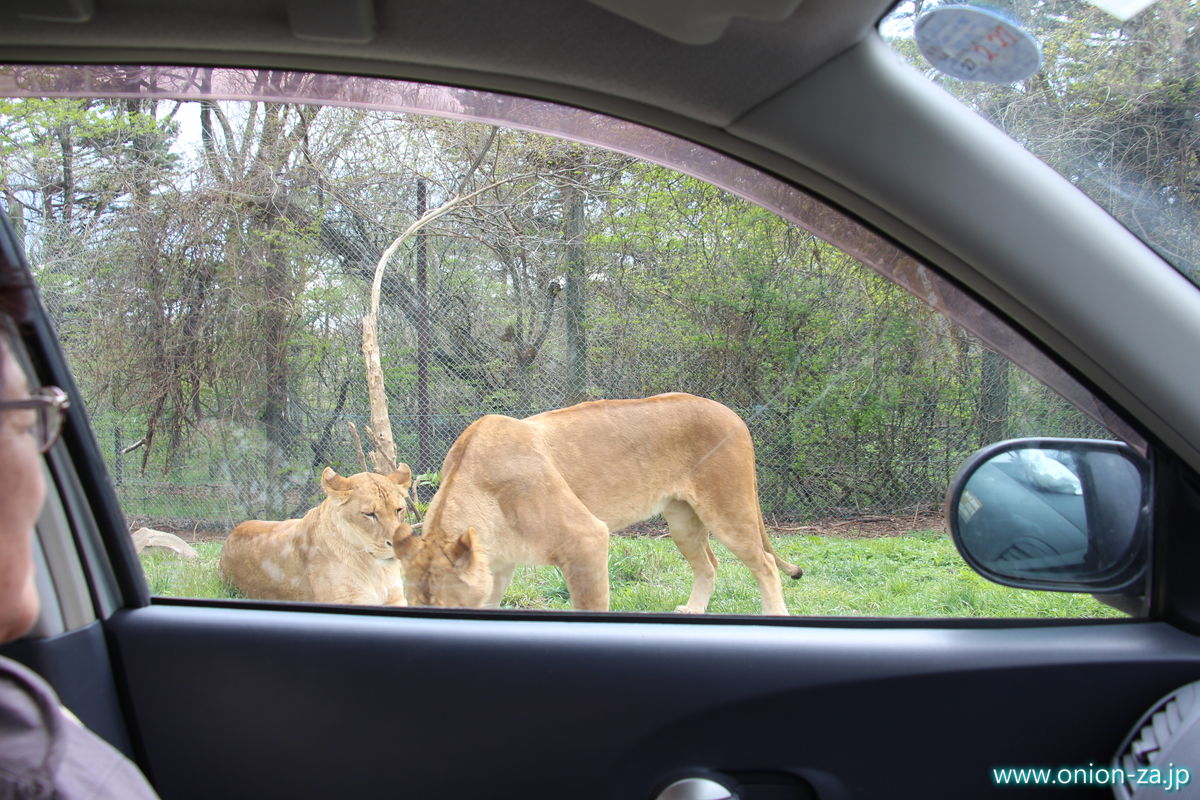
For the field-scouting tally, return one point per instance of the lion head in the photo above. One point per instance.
(444, 571)
(368, 509)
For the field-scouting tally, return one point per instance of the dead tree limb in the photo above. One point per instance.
(362, 458)
(383, 458)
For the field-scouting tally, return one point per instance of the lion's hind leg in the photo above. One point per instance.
(743, 534)
(691, 537)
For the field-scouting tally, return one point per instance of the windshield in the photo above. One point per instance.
(1114, 105)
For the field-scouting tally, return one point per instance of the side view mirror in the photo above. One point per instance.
(1068, 515)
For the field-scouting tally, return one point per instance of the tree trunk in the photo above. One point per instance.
(424, 432)
(575, 294)
(276, 331)
(992, 419)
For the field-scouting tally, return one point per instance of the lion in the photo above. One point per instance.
(549, 489)
(342, 551)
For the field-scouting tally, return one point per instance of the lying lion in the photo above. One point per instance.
(550, 488)
(339, 552)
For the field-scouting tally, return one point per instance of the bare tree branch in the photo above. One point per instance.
(462, 183)
(380, 430)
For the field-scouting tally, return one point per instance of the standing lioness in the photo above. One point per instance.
(342, 551)
(550, 488)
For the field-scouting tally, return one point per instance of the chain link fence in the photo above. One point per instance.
(213, 316)
(866, 437)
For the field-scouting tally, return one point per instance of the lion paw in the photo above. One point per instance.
(686, 609)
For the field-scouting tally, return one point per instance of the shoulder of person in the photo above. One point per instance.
(31, 729)
(46, 752)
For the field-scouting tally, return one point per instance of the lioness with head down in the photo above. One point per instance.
(550, 488)
(342, 551)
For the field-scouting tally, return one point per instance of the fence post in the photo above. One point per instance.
(118, 467)
(423, 428)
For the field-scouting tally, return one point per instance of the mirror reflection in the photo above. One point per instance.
(1064, 514)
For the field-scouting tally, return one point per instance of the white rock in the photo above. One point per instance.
(148, 537)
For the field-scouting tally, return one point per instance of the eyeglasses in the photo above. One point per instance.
(51, 404)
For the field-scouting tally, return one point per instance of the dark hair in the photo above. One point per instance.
(16, 284)
(16, 288)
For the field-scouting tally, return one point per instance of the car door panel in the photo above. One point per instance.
(78, 665)
(230, 702)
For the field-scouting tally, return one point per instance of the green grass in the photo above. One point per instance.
(915, 575)
(171, 575)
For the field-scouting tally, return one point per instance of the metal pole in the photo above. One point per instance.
(424, 457)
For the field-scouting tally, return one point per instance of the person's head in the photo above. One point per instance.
(22, 490)
(22, 487)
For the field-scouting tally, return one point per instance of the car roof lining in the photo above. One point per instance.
(584, 46)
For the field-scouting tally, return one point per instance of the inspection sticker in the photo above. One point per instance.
(977, 44)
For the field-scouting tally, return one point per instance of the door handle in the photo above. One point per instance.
(738, 785)
(697, 789)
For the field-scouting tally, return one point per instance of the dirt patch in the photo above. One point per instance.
(871, 527)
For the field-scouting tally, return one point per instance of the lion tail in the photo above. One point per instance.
(787, 568)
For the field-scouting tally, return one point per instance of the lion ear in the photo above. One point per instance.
(465, 551)
(405, 544)
(332, 482)
(402, 476)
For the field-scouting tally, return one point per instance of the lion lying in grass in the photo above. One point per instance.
(550, 488)
(339, 552)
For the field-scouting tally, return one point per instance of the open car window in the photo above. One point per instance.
(270, 282)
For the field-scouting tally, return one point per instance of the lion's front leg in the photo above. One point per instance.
(335, 584)
(352, 597)
(395, 597)
(588, 585)
(501, 578)
(585, 569)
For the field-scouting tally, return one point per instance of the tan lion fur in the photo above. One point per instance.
(550, 488)
(342, 551)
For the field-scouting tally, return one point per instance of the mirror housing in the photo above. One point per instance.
(1066, 515)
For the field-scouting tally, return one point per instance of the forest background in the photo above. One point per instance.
(208, 265)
